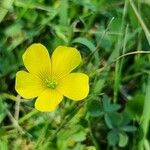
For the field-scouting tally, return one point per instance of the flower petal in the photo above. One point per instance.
(28, 85)
(48, 100)
(74, 86)
(64, 60)
(36, 59)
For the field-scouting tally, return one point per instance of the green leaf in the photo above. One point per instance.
(123, 139)
(106, 103)
(79, 136)
(4, 7)
(13, 29)
(113, 138)
(96, 88)
(113, 120)
(108, 107)
(70, 136)
(90, 148)
(63, 12)
(108, 121)
(88, 44)
(3, 144)
(125, 118)
(60, 32)
(118, 120)
(129, 128)
(95, 108)
(135, 106)
(85, 4)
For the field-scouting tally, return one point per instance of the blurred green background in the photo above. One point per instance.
(116, 114)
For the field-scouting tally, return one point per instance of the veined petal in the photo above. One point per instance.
(36, 59)
(28, 85)
(48, 100)
(64, 60)
(74, 86)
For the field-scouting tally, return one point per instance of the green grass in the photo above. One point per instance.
(114, 39)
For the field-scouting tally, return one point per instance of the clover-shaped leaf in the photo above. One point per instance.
(123, 139)
(95, 108)
(112, 138)
(108, 106)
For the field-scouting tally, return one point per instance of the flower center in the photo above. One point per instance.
(51, 83)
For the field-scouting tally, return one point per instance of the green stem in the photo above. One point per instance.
(143, 25)
(97, 71)
(27, 116)
(118, 47)
(92, 136)
(74, 109)
(145, 116)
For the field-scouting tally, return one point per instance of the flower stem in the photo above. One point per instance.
(145, 116)
(93, 136)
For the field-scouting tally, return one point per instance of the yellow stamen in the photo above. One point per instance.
(51, 83)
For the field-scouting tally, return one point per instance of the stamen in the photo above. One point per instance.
(51, 83)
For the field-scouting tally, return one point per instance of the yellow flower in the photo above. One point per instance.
(49, 79)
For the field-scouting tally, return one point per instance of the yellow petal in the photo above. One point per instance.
(48, 100)
(36, 59)
(28, 85)
(74, 86)
(64, 60)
